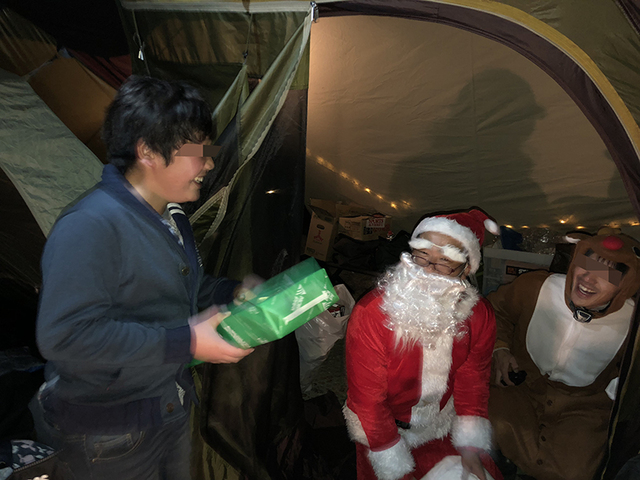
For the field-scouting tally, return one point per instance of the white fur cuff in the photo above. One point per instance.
(471, 431)
(393, 463)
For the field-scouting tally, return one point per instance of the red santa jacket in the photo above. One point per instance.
(437, 389)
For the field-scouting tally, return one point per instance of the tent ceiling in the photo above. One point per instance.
(452, 120)
(93, 27)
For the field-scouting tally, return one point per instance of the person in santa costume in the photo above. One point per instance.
(418, 359)
(568, 333)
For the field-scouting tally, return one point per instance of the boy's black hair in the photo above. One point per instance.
(165, 115)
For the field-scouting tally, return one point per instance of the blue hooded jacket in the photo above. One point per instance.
(118, 290)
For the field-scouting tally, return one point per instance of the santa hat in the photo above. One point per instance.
(466, 227)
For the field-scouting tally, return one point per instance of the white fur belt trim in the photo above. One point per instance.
(427, 423)
(471, 431)
(392, 463)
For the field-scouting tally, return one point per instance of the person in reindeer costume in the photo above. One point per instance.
(418, 359)
(568, 333)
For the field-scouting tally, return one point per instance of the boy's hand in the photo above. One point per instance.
(207, 345)
(243, 292)
(503, 361)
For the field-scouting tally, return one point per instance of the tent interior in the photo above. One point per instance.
(410, 117)
(402, 115)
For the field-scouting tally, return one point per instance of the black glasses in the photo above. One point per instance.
(438, 267)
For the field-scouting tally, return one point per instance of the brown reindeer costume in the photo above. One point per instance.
(554, 425)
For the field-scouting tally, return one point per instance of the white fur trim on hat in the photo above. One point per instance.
(392, 463)
(471, 431)
(449, 227)
(450, 468)
(449, 251)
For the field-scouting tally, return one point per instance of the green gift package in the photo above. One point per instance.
(279, 306)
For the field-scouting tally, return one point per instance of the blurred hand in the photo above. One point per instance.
(243, 291)
(471, 463)
(503, 361)
(206, 344)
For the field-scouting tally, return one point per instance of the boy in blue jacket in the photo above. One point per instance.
(122, 288)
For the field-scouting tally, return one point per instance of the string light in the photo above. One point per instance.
(404, 203)
(328, 165)
(321, 161)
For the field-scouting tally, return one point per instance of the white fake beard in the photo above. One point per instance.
(422, 306)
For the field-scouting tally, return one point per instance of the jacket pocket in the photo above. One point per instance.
(112, 447)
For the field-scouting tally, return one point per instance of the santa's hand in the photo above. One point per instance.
(503, 361)
(207, 345)
(471, 463)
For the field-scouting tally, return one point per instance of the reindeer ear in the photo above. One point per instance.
(606, 230)
(575, 237)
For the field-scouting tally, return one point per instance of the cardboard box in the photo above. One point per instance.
(324, 225)
(365, 227)
(322, 230)
(503, 266)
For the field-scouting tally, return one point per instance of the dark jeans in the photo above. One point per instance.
(156, 454)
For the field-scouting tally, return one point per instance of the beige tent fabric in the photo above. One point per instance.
(429, 117)
(47, 164)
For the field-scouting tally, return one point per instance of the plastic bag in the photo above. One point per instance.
(279, 306)
(318, 335)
